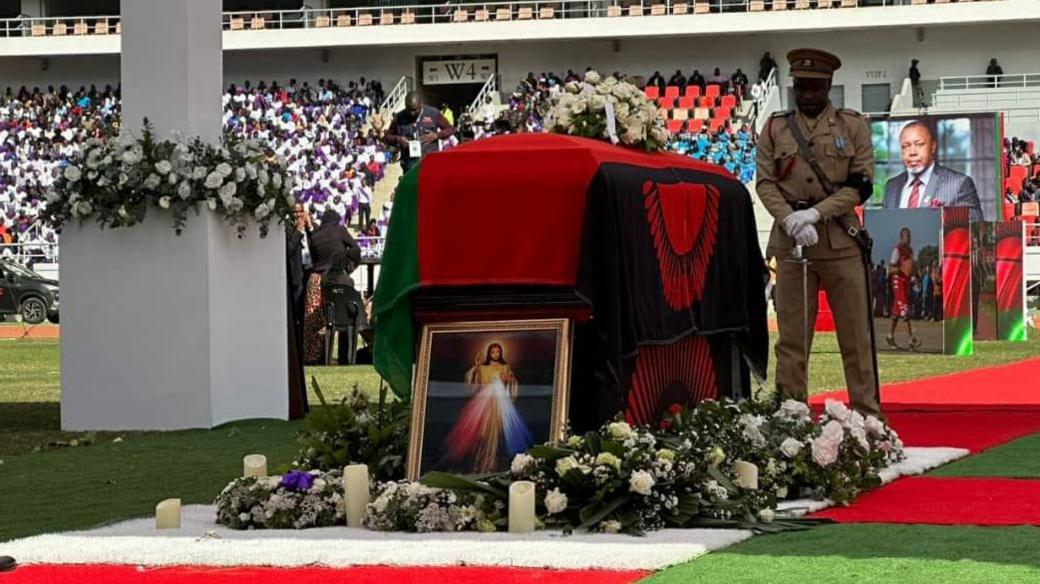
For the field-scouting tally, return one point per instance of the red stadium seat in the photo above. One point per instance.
(666, 102)
(694, 126)
(652, 92)
(1009, 210)
(671, 91)
(729, 101)
(1018, 172)
(716, 125)
(712, 91)
(674, 126)
(692, 91)
(1014, 185)
(706, 102)
(723, 113)
(686, 102)
(1030, 147)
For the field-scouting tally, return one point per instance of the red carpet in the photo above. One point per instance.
(1016, 384)
(974, 430)
(365, 575)
(946, 501)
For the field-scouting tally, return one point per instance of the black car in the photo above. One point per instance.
(23, 291)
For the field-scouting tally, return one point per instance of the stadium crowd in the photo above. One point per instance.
(321, 131)
(1022, 185)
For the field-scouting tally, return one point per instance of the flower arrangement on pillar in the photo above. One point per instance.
(115, 182)
(607, 108)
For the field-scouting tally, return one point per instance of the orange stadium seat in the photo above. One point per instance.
(712, 90)
(686, 102)
(681, 8)
(692, 91)
(694, 126)
(674, 126)
(652, 91)
(671, 91)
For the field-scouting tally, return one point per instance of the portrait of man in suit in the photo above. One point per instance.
(925, 183)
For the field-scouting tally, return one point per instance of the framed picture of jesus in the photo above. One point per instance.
(485, 391)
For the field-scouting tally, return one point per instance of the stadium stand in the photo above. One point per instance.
(1022, 185)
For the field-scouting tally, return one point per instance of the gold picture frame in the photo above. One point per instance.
(460, 396)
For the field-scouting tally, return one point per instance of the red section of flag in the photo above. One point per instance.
(682, 372)
(510, 209)
(1009, 266)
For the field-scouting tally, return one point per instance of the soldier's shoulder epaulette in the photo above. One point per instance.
(850, 112)
(781, 113)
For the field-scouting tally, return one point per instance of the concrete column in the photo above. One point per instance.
(160, 331)
(34, 8)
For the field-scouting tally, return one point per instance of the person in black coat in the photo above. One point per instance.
(328, 241)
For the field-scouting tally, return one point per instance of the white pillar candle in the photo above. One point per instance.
(254, 465)
(521, 507)
(168, 514)
(747, 474)
(355, 485)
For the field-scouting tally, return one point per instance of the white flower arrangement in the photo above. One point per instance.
(607, 109)
(297, 500)
(126, 177)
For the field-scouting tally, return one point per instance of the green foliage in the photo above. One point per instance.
(356, 431)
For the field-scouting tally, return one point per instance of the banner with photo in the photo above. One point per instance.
(984, 281)
(937, 161)
(907, 279)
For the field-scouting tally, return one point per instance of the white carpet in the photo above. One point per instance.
(201, 542)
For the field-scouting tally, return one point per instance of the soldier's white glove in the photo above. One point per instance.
(807, 237)
(796, 222)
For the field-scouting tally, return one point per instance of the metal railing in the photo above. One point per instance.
(29, 253)
(406, 14)
(394, 101)
(963, 82)
(768, 103)
(488, 90)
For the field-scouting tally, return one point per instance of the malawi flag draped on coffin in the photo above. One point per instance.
(664, 249)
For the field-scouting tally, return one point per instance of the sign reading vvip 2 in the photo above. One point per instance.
(457, 71)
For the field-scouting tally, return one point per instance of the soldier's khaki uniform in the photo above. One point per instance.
(841, 141)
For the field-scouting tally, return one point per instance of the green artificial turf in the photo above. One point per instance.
(1017, 459)
(864, 554)
(82, 487)
(30, 388)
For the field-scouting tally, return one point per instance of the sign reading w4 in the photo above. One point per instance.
(458, 71)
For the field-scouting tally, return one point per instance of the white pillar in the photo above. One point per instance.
(160, 331)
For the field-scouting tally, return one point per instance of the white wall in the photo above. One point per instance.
(869, 56)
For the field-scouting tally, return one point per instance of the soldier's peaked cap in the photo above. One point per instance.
(812, 63)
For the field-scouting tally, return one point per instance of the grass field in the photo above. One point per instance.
(113, 476)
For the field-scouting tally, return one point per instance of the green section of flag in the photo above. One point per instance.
(870, 553)
(958, 336)
(398, 276)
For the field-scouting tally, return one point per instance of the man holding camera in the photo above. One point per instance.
(815, 165)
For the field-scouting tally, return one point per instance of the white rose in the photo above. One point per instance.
(608, 459)
(665, 454)
(555, 502)
(212, 204)
(794, 410)
(781, 492)
(833, 430)
(575, 442)
(860, 434)
(224, 169)
(236, 205)
(276, 180)
(572, 88)
(380, 504)
(172, 178)
(152, 181)
(251, 170)
(184, 190)
(766, 515)
(597, 103)
(123, 212)
(261, 211)
(610, 526)
(164, 202)
(240, 174)
(592, 77)
(837, 410)
(131, 157)
(577, 108)
(641, 482)
(790, 447)
(619, 430)
(72, 173)
(875, 426)
(163, 167)
(520, 463)
(243, 517)
(262, 177)
(228, 190)
(199, 173)
(825, 450)
(213, 180)
(565, 464)
(716, 456)
(123, 178)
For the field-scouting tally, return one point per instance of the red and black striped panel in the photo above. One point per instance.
(679, 373)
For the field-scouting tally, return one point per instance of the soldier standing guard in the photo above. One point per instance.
(815, 165)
